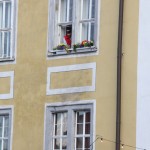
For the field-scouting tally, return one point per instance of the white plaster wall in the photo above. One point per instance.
(143, 83)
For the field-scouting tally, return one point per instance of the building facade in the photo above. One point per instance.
(58, 74)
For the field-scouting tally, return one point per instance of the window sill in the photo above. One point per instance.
(6, 59)
(53, 53)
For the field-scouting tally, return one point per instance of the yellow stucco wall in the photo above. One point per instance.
(71, 79)
(31, 75)
(129, 72)
(4, 85)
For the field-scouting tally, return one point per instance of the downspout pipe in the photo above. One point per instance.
(119, 68)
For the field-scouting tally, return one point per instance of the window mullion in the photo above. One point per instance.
(90, 13)
(89, 31)
(90, 9)
(54, 131)
(59, 20)
(3, 44)
(70, 130)
(81, 9)
(11, 29)
(68, 7)
(10, 40)
(75, 130)
(3, 133)
(59, 13)
(7, 44)
(74, 23)
(84, 131)
(81, 19)
(3, 25)
(61, 122)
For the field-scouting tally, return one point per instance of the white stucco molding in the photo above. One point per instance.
(71, 68)
(9, 74)
(70, 103)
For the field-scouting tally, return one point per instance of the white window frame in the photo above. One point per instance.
(8, 110)
(69, 107)
(75, 28)
(12, 29)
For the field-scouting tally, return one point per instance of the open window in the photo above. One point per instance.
(72, 27)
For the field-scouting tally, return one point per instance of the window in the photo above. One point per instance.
(7, 29)
(72, 26)
(69, 127)
(5, 129)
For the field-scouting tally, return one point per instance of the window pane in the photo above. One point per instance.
(57, 129)
(8, 15)
(87, 117)
(64, 143)
(0, 131)
(0, 52)
(63, 11)
(70, 10)
(79, 142)
(87, 128)
(85, 31)
(64, 129)
(0, 144)
(6, 121)
(80, 117)
(6, 130)
(5, 144)
(66, 10)
(64, 118)
(7, 44)
(79, 128)
(85, 9)
(92, 32)
(1, 14)
(1, 121)
(58, 118)
(57, 143)
(61, 124)
(93, 9)
(87, 142)
(64, 126)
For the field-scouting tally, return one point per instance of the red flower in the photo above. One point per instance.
(85, 41)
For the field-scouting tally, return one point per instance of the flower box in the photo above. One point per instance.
(62, 49)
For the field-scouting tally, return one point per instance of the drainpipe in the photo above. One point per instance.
(119, 60)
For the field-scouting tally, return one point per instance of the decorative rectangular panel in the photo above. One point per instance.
(6, 84)
(71, 78)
